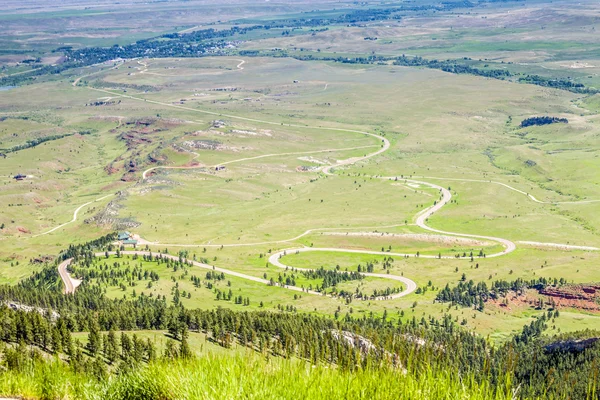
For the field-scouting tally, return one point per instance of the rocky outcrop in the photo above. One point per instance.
(572, 346)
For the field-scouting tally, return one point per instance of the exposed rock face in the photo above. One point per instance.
(42, 311)
(575, 292)
(585, 297)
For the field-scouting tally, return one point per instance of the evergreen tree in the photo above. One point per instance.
(184, 349)
(94, 343)
(112, 347)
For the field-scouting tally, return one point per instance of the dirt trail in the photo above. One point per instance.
(146, 65)
(76, 81)
(145, 173)
(531, 197)
(74, 215)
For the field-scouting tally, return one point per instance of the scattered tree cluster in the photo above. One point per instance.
(470, 294)
(331, 277)
(545, 120)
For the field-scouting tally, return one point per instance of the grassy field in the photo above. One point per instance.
(250, 376)
(274, 122)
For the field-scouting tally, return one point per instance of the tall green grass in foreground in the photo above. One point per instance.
(243, 377)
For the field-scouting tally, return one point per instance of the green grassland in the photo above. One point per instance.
(234, 160)
(277, 115)
(247, 376)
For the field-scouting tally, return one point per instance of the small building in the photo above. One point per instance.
(20, 177)
(124, 236)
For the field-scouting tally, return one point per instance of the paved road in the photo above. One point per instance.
(531, 197)
(70, 283)
(214, 268)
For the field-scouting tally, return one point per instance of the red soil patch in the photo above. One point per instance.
(581, 297)
(23, 230)
(514, 301)
(584, 297)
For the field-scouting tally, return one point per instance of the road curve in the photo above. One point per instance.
(70, 283)
(411, 286)
(531, 197)
(386, 145)
(422, 217)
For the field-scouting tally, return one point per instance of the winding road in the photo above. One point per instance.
(70, 283)
(446, 196)
(411, 286)
(274, 259)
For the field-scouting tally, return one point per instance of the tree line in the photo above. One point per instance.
(330, 278)
(37, 141)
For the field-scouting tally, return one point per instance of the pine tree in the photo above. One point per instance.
(139, 349)
(126, 347)
(56, 343)
(150, 351)
(184, 349)
(170, 350)
(112, 347)
(94, 339)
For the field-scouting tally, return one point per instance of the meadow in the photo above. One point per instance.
(326, 197)
(268, 129)
(141, 140)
